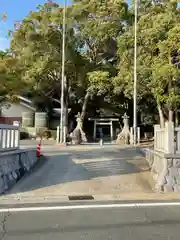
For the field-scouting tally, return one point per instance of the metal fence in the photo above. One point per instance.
(9, 137)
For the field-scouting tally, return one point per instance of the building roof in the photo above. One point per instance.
(28, 103)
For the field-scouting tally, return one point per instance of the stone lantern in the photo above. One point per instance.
(124, 136)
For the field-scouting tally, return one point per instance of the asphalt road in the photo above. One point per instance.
(129, 223)
(104, 172)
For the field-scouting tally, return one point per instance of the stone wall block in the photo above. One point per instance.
(161, 181)
(1, 185)
(177, 188)
(30, 163)
(176, 163)
(177, 179)
(11, 180)
(154, 168)
(14, 166)
(170, 180)
(5, 169)
(173, 172)
(1, 171)
(18, 174)
(14, 175)
(169, 162)
(168, 188)
(155, 177)
(32, 157)
(158, 188)
(5, 182)
(149, 157)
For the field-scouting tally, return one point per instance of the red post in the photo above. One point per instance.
(38, 150)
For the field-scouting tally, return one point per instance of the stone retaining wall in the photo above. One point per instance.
(165, 170)
(13, 165)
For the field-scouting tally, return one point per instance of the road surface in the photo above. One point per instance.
(129, 223)
(106, 172)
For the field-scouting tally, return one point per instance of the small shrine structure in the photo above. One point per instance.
(102, 121)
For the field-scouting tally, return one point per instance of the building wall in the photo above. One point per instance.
(14, 111)
(9, 120)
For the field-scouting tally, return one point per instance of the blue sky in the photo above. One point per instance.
(16, 10)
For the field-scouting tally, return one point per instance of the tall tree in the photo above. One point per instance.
(157, 74)
(91, 32)
(97, 24)
(10, 84)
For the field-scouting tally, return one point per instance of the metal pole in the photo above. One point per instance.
(135, 74)
(65, 113)
(62, 73)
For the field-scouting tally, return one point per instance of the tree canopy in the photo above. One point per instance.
(157, 61)
(99, 60)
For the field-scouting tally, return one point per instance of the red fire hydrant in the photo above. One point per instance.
(38, 150)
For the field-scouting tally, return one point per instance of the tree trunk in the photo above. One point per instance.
(161, 116)
(84, 107)
(78, 135)
(171, 113)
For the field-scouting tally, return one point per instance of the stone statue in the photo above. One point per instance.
(78, 135)
(124, 136)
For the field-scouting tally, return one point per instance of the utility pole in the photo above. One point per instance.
(135, 74)
(63, 75)
(65, 111)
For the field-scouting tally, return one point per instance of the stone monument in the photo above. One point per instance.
(78, 135)
(124, 136)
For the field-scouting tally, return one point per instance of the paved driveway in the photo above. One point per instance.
(105, 172)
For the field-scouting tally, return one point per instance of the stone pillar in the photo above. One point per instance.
(4, 138)
(8, 138)
(94, 133)
(169, 128)
(111, 130)
(156, 127)
(178, 140)
(138, 135)
(57, 134)
(12, 138)
(131, 136)
(17, 138)
(1, 131)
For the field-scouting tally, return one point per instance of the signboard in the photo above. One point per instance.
(16, 123)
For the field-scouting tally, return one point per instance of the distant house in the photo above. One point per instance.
(11, 112)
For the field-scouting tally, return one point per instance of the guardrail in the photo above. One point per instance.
(9, 137)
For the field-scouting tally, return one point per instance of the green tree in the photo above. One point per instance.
(10, 84)
(38, 44)
(91, 32)
(97, 24)
(157, 74)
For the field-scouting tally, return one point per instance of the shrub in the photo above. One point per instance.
(24, 135)
(47, 134)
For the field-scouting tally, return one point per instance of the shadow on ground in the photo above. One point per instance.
(71, 165)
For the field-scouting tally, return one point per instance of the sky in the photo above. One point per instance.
(16, 10)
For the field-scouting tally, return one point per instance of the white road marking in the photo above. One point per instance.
(98, 206)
